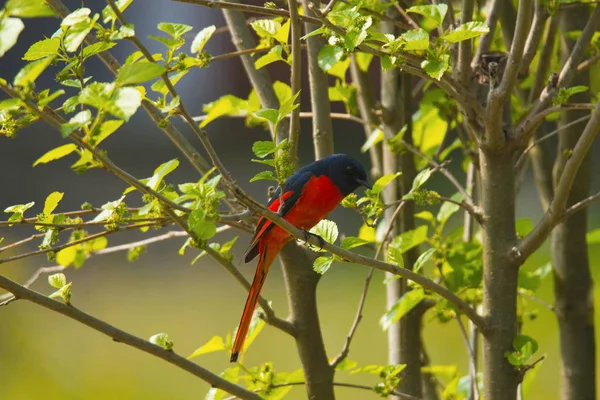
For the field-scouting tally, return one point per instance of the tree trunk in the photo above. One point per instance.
(301, 283)
(573, 286)
(500, 273)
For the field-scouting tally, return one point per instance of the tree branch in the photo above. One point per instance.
(120, 336)
(463, 66)
(540, 15)
(295, 79)
(555, 212)
(491, 21)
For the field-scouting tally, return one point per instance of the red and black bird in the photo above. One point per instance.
(309, 195)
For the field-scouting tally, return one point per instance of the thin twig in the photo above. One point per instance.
(540, 15)
(361, 304)
(353, 386)
(525, 293)
(328, 7)
(121, 336)
(465, 53)
(581, 205)
(491, 21)
(405, 15)
(22, 241)
(295, 79)
(535, 120)
(588, 63)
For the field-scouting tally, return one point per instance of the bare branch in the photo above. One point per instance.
(541, 75)
(405, 15)
(533, 121)
(328, 8)
(295, 79)
(349, 385)
(588, 63)
(556, 210)
(22, 241)
(491, 21)
(581, 205)
(540, 15)
(463, 66)
(120, 336)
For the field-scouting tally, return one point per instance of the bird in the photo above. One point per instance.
(308, 195)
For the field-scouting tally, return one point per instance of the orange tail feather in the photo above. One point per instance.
(264, 262)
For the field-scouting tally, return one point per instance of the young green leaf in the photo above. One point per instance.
(141, 72)
(421, 178)
(80, 119)
(394, 256)
(422, 260)
(406, 303)
(31, 71)
(215, 343)
(564, 93)
(436, 12)
(56, 153)
(109, 15)
(436, 67)
(409, 239)
(327, 230)
(350, 242)
(97, 48)
(375, 137)
(174, 30)
(525, 347)
(10, 28)
(415, 39)
(269, 114)
(160, 172)
(57, 280)
(18, 210)
(265, 28)
(226, 105)
(203, 229)
(202, 38)
(106, 129)
(52, 202)
(78, 24)
(163, 340)
(41, 49)
(263, 175)
(322, 264)
(273, 55)
(382, 182)
(263, 148)
(466, 31)
(28, 8)
(448, 209)
(328, 56)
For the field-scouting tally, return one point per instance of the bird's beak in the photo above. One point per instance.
(365, 183)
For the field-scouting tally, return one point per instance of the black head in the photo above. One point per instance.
(344, 171)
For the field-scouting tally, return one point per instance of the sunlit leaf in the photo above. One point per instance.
(375, 137)
(423, 258)
(350, 242)
(57, 280)
(436, 67)
(174, 30)
(382, 182)
(466, 31)
(141, 72)
(328, 56)
(407, 302)
(263, 148)
(41, 49)
(28, 8)
(202, 38)
(322, 264)
(31, 71)
(409, 239)
(52, 202)
(436, 12)
(216, 343)
(56, 153)
(163, 340)
(415, 39)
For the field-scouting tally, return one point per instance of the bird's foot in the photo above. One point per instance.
(307, 236)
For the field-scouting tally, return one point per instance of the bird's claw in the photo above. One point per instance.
(307, 236)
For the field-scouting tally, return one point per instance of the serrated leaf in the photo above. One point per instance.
(108, 14)
(106, 129)
(80, 119)
(174, 30)
(350, 242)
(126, 102)
(57, 280)
(163, 340)
(141, 72)
(226, 105)
(30, 72)
(436, 12)
(409, 239)
(466, 31)
(327, 230)
(216, 343)
(382, 182)
(273, 55)
(10, 29)
(52, 202)
(375, 137)
(265, 28)
(97, 48)
(160, 172)
(269, 114)
(328, 56)
(202, 38)
(322, 264)
(437, 66)
(394, 256)
(41, 49)
(263, 148)
(202, 228)
(263, 175)
(77, 31)
(402, 307)
(423, 258)
(415, 39)
(56, 153)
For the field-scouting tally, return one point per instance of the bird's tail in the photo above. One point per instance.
(264, 262)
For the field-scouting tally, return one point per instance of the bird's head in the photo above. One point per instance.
(346, 173)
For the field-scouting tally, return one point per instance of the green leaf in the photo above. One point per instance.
(273, 55)
(28, 8)
(126, 102)
(423, 258)
(41, 49)
(564, 93)
(525, 347)
(263, 175)
(80, 119)
(346, 365)
(125, 31)
(269, 114)
(436, 12)
(363, 60)
(19, 209)
(121, 102)
(163, 340)
(265, 28)
(421, 178)
(448, 209)
(375, 137)
(106, 129)
(327, 230)
(322, 264)
(159, 173)
(202, 38)
(97, 48)
(288, 106)
(216, 343)
(350, 242)
(52, 202)
(56, 153)
(226, 105)
(31, 71)
(437, 66)
(394, 256)
(523, 226)
(531, 280)
(174, 30)
(416, 39)
(466, 31)
(263, 148)
(57, 280)
(141, 72)
(409, 239)
(108, 14)
(329, 56)
(78, 25)
(66, 257)
(202, 228)
(382, 182)
(406, 303)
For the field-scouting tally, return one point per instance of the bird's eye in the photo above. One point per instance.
(349, 170)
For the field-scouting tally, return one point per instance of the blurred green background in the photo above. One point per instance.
(46, 356)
